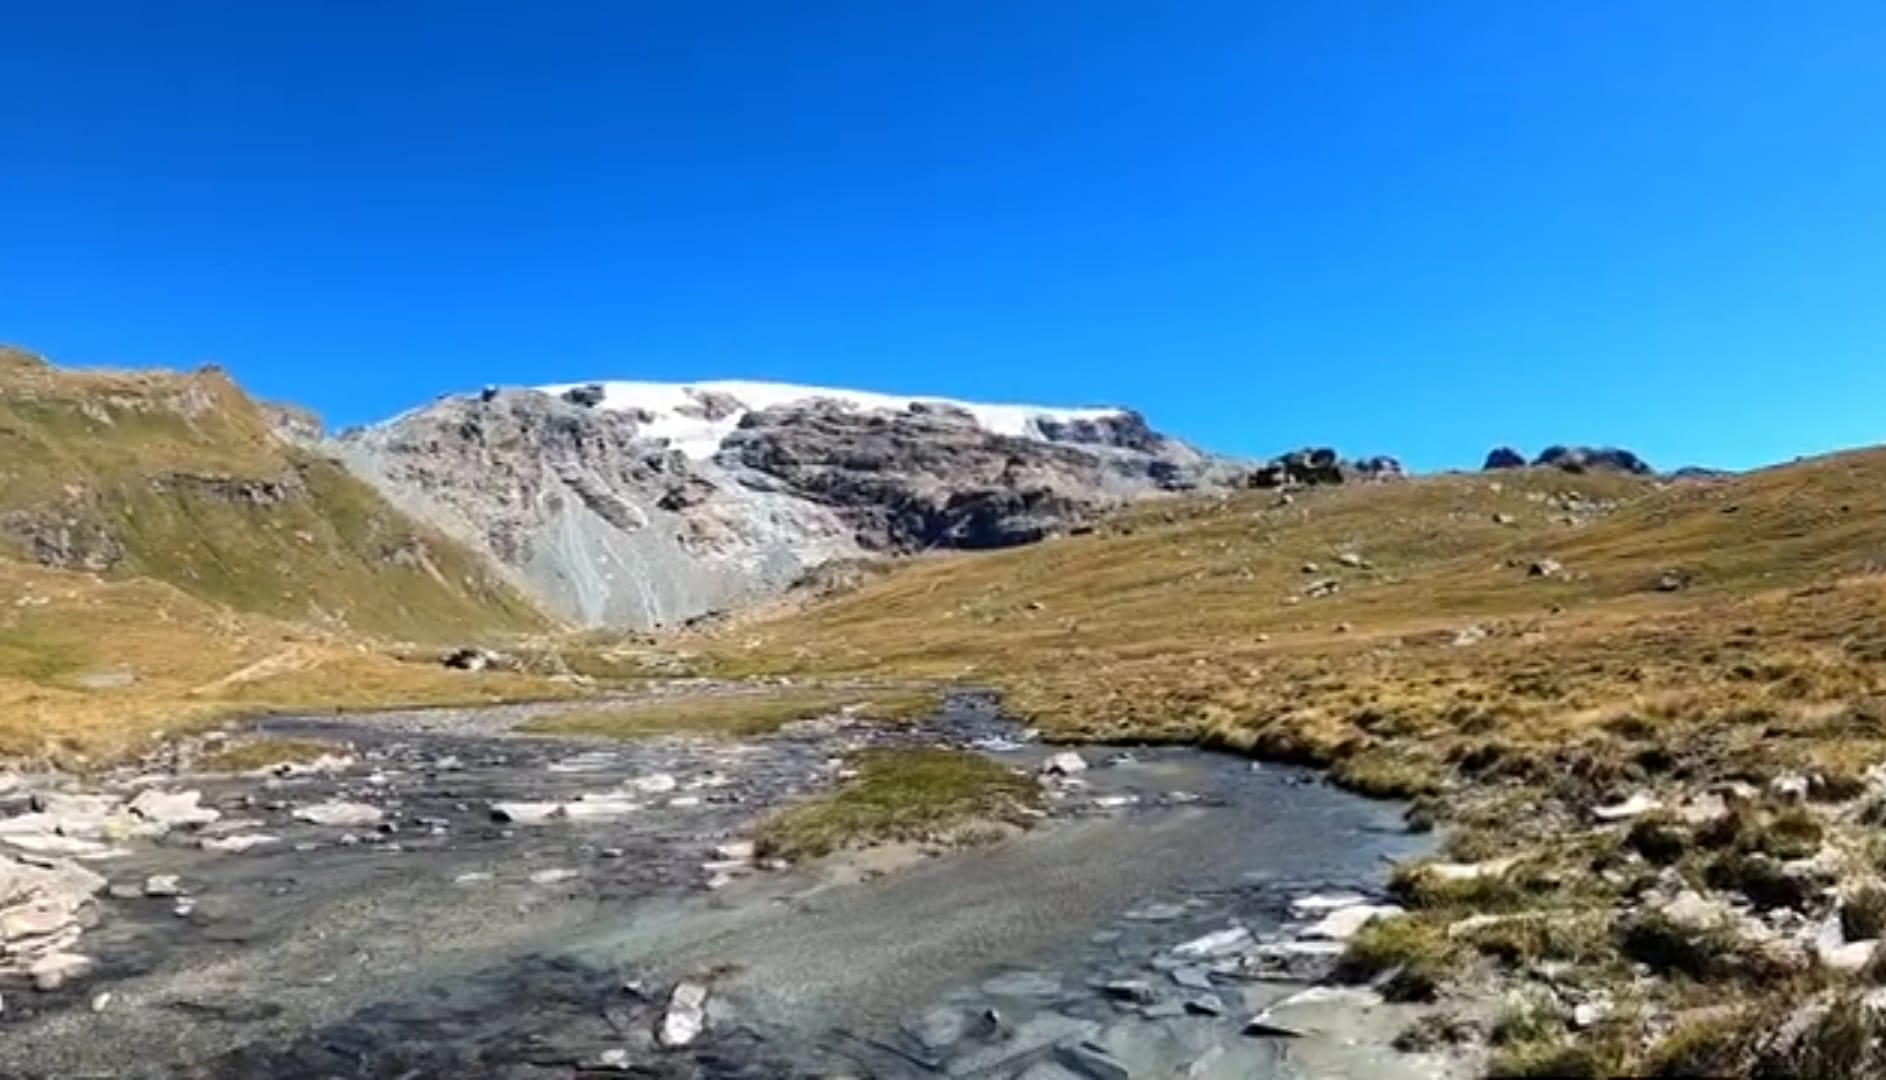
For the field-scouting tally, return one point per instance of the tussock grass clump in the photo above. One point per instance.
(1387, 774)
(1714, 1046)
(1766, 883)
(1555, 1059)
(1843, 1041)
(921, 794)
(1658, 837)
(1578, 937)
(1436, 1031)
(1793, 833)
(1863, 913)
(1412, 953)
(1703, 953)
(1419, 886)
(1527, 1018)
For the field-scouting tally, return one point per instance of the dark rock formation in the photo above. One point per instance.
(1124, 430)
(931, 477)
(589, 395)
(1380, 467)
(1315, 466)
(1580, 459)
(1504, 457)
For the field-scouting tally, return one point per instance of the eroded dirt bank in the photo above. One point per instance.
(378, 917)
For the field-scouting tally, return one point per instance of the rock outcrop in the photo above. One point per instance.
(1313, 466)
(1580, 459)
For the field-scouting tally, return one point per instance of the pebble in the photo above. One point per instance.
(162, 885)
(552, 876)
(235, 845)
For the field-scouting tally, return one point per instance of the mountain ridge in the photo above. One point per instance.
(647, 504)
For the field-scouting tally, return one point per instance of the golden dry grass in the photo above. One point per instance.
(93, 670)
(1176, 623)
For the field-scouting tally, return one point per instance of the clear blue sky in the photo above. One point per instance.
(1416, 227)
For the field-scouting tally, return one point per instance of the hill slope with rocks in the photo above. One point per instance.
(182, 479)
(646, 504)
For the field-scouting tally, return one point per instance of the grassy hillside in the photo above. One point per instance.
(94, 669)
(1195, 621)
(166, 561)
(1723, 637)
(178, 478)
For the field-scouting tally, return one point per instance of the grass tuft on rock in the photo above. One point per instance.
(919, 794)
(1411, 955)
(267, 752)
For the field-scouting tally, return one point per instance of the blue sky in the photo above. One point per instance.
(1417, 228)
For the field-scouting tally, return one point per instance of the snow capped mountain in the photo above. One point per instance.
(696, 417)
(645, 504)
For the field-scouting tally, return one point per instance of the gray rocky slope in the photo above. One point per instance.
(607, 520)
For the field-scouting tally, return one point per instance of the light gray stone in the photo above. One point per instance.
(1214, 945)
(173, 809)
(686, 1017)
(340, 814)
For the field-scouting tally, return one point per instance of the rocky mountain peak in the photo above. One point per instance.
(648, 504)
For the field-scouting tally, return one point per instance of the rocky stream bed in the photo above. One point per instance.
(451, 897)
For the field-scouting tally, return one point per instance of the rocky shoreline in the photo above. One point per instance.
(442, 894)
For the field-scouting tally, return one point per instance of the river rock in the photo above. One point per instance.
(939, 1029)
(54, 970)
(1065, 763)
(338, 814)
(1454, 871)
(686, 1017)
(1032, 1036)
(525, 813)
(52, 845)
(1837, 953)
(591, 807)
(1215, 945)
(1091, 1061)
(1038, 984)
(1322, 903)
(172, 809)
(1192, 978)
(552, 876)
(1344, 923)
(1789, 787)
(735, 851)
(1637, 805)
(1136, 991)
(237, 843)
(40, 908)
(162, 885)
(653, 784)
